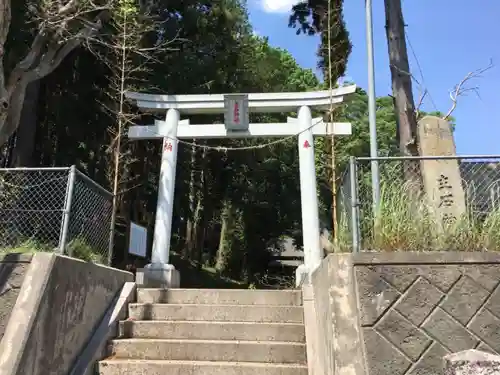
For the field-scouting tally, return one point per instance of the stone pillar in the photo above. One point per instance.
(441, 177)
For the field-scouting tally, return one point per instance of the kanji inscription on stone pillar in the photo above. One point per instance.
(441, 177)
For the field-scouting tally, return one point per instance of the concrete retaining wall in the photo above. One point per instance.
(13, 267)
(401, 313)
(60, 303)
(318, 319)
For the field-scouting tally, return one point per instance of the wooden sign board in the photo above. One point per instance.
(441, 177)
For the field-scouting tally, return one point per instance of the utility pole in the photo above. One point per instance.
(401, 79)
(372, 109)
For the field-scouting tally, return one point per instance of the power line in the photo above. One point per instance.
(420, 71)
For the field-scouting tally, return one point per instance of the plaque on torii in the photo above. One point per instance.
(236, 114)
(236, 109)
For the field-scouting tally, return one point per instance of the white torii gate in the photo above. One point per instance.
(173, 128)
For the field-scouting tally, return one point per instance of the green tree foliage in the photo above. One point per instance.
(355, 111)
(230, 206)
(311, 17)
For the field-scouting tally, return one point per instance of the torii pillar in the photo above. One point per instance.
(160, 272)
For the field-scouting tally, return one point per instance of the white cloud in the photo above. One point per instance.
(277, 6)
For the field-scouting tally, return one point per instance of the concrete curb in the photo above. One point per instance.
(107, 329)
(24, 312)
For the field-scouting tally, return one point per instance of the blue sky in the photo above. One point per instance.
(450, 38)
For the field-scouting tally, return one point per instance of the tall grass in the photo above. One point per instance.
(406, 221)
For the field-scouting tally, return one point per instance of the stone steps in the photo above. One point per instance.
(220, 313)
(210, 332)
(210, 350)
(246, 331)
(155, 367)
(221, 297)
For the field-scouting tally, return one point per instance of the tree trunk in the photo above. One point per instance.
(402, 88)
(201, 232)
(26, 131)
(11, 118)
(200, 219)
(6, 152)
(190, 236)
(207, 207)
(195, 250)
(226, 238)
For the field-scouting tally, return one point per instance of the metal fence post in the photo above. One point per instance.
(353, 175)
(67, 209)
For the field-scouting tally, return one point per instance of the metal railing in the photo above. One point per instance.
(426, 203)
(54, 209)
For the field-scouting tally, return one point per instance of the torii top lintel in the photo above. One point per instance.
(258, 102)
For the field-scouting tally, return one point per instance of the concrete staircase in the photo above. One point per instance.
(210, 332)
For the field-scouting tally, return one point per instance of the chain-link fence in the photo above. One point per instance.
(426, 203)
(54, 209)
